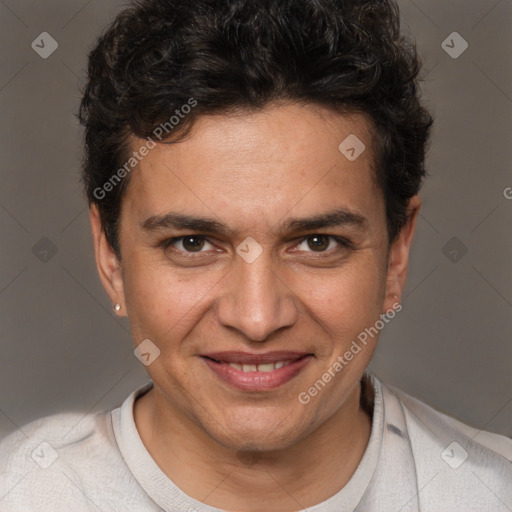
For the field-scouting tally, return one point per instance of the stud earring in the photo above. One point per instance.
(117, 308)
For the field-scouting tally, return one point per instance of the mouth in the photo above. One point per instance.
(257, 372)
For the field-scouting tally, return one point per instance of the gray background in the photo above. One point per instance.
(61, 346)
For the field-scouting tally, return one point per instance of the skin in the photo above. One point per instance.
(255, 451)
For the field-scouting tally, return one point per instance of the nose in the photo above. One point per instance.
(256, 302)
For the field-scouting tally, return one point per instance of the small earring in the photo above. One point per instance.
(117, 308)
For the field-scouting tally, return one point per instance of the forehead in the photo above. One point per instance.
(260, 164)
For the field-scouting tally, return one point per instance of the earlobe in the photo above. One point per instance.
(109, 267)
(398, 260)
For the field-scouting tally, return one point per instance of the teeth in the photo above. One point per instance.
(269, 367)
(264, 368)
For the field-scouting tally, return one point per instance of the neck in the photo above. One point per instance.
(284, 480)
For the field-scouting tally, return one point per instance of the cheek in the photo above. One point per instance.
(347, 301)
(162, 304)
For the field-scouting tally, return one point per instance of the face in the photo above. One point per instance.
(253, 254)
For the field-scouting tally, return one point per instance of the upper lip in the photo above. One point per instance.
(248, 358)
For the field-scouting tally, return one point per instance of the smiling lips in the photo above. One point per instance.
(257, 372)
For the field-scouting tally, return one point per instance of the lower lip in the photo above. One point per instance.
(257, 381)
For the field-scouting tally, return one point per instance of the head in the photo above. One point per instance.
(224, 123)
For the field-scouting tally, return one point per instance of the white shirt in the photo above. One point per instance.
(417, 460)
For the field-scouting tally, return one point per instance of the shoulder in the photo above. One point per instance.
(45, 439)
(441, 424)
(55, 460)
(469, 469)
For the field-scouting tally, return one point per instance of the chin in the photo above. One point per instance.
(257, 444)
(258, 435)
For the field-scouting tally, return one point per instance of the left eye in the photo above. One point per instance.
(321, 243)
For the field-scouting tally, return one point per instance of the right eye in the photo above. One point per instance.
(189, 243)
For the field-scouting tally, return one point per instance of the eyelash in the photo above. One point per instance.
(344, 244)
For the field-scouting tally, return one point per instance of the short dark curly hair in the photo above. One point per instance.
(158, 56)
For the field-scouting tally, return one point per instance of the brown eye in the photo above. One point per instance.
(324, 244)
(193, 243)
(318, 243)
(187, 244)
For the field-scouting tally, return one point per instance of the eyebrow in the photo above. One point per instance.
(335, 218)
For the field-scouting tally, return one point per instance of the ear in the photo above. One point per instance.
(109, 267)
(398, 260)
